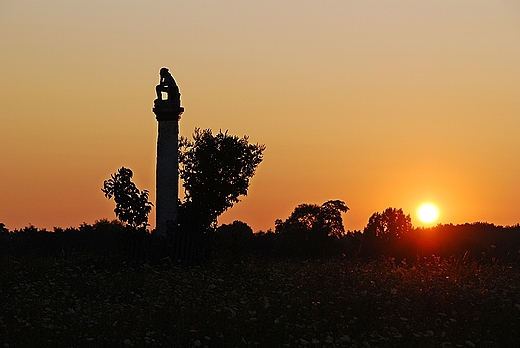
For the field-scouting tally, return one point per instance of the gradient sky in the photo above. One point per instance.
(377, 103)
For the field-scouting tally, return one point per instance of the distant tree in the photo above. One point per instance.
(311, 230)
(390, 225)
(388, 233)
(215, 170)
(331, 217)
(304, 222)
(132, 205)
(312, 221)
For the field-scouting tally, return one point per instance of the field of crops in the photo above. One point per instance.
(93, 302)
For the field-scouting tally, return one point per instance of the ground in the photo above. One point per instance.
(89, 301)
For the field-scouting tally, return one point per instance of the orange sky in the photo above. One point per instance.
(377, 103)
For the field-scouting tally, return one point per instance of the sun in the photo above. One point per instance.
(428, 213)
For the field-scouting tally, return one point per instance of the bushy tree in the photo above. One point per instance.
(331, 217)
(304, 222)
(215, 170)
(132, 205)
(390, 225)
(388, 233)
(311, 230)
(314, 221)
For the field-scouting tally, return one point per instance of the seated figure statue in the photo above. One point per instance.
(167, 84)
(169, 108)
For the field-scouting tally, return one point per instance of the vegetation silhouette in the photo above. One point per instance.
(386, 232)
(104, 239)
(310, 228)
(215, 171)
(477, 242)
(132, 205)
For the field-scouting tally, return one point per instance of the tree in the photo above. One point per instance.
(388, 233)
(215, 170)
(312, 220)
(331, 217)
(390, 225)
(311, 229)
(303, 223)
(132, 205)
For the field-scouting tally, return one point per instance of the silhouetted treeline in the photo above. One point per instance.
(103, 237)
(471, 242)
(481, 242)
(476, 241)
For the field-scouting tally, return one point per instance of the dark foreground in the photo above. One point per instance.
(88, 302)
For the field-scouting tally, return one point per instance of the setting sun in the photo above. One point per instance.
(428, 213)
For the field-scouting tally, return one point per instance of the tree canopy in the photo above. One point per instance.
(132, 205)
(314, 221)
(391, 224)
(215, 170)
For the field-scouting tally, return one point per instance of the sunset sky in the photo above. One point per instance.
(376, 103)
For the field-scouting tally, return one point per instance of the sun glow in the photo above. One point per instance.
(428, 213)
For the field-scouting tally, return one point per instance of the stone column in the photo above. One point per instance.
(168, 113)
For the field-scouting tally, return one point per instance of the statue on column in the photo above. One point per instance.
(170, 107)
(167, 84)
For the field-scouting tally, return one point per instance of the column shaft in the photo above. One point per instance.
(167, 190)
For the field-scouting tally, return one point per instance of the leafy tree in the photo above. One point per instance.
(314, 221)
(132, 205)
(311, 230)
(390, 225)
(215, 170)
(303, 221)
(331, 217)
(388, 233)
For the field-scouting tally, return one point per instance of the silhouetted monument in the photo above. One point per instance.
(167, 109)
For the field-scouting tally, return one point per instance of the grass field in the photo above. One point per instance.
(93, 302)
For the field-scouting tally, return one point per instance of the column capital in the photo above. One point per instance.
(166, 110)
